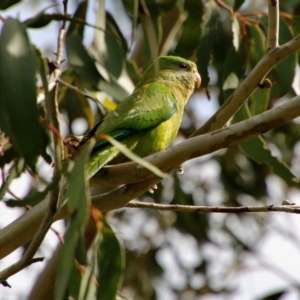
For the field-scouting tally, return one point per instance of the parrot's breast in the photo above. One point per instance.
(151, 140)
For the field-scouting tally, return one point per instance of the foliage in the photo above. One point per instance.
(227, 40)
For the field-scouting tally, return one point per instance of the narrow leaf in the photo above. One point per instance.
(233, 71)
(190, 38)
(4, 4)
(238, 4)
(258, 150)
(134, 157)
(111, 264)
(78, 200)
(33, 198)
(209, 32)
(14, 172)
(18, 109)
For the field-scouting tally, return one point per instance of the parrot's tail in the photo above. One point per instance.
(101, 158)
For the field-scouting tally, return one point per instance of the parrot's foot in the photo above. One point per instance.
(180, 169)
(151, 190)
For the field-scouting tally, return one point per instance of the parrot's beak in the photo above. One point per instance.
(197, 78)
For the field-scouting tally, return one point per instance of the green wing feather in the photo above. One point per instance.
(146, 107)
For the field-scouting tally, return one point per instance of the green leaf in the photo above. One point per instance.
(81, 61)
(77, 190)
(190, 38)
(34, 198)
(74, 282)
(42, 19)
(84, 67)
(238, 4)
(257, 44)
(209, 33)
(75, 104)
(284, 72)
(116, 47)
(80, 14)
(274, 295)
(258, 150)
(78, 201)
(124, 150)
(14, 172)
(233, 71)
(88, 287)
(18, 110)
(66, 259)
(4, 4)
(111, 263)
(8, 156)
(259, 100)
(194, 224)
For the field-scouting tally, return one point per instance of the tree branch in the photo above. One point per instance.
(197, 146)
(20, 231)
(249, 85)
(214, 209)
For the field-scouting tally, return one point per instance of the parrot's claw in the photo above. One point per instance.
(151, 190)
(180, 169)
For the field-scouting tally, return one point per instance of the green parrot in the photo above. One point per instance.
(148, 120)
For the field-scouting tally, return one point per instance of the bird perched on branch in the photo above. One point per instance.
(148, 120)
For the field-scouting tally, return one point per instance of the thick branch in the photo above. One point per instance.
(21, 230)
(201, 145)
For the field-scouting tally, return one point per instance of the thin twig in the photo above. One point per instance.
(273, 24)
(215, 209)
(77, 90)
(225, 6)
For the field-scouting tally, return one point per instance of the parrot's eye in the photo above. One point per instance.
(183, 66)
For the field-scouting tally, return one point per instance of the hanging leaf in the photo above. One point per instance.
(233, 71)
(209, 34)
(259, 100)
(4, 4)
(18, 110)
(35, 197)
(284, 73)
(116, 47)
(238, 4)
(190, 37)
(111, 264)
(78, 201)
(14, 172)
(258, 150)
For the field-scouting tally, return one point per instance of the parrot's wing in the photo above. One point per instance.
(146, 107)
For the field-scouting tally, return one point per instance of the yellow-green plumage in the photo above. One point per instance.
(148, 120)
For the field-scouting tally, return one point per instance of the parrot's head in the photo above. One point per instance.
(175, 72)
(180, 69)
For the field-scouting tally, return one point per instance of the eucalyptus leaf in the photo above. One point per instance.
(111, 263)
(18, 110)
